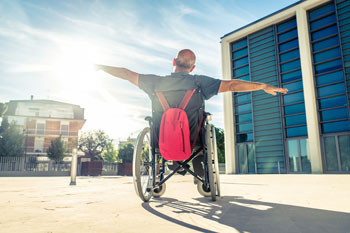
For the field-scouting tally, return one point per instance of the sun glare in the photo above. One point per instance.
(75, 65)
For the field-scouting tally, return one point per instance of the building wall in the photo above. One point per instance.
(44, 121)
(278, 134)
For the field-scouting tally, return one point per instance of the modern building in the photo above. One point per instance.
(304, 47)
(43, 121)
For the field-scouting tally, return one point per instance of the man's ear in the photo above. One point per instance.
(174, 62)
(192, 68)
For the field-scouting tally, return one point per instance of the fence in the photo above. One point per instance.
(21, 166)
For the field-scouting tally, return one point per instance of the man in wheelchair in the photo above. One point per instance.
(182, 90)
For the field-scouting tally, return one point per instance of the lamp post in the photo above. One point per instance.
(73, 169)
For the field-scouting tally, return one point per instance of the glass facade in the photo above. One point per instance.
(246, 158)
(243, 101)
(328, 70)
(291, 78)
(299, 158)
(332, 96)
(243, 108)
(271, 131)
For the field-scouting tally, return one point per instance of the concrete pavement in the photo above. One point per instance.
(249, 203)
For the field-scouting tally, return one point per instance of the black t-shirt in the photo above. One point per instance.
(174, 87)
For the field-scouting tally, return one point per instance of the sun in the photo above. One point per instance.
(74, 65)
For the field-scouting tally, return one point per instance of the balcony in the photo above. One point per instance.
(50, 132)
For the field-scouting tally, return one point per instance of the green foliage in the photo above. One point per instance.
(57, 150)
(110, 154)
(11, 140)
(125, 152)
(220, 141)
(93, 143)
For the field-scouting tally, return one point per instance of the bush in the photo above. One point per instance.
(125, 152)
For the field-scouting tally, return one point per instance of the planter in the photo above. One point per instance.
(93, 168)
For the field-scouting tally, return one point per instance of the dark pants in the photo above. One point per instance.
(197, 165)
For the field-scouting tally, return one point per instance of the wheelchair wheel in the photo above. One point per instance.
(142, 165)
(158, 192)
(216, 162)
(210, 162)
(203, 190)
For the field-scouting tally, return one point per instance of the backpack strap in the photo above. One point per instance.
(198, 131)
(186, 99)
(163, 101)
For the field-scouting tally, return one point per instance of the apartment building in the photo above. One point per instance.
(43, 121)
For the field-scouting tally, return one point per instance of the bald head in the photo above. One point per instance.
(185, 60)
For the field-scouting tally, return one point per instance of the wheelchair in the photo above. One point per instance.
(150, 170)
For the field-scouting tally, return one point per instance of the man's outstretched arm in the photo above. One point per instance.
(120, 72)
(243, 86)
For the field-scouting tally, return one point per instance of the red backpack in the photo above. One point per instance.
(174, 132)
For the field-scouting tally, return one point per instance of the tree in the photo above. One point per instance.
(93, 143)
(57, 150)
(110, 154)
(220, 141)
(3, 109)
(125, 152)
(11, 140)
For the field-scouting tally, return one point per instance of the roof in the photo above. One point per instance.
(44, 102)
(12, 105)
(274, 13)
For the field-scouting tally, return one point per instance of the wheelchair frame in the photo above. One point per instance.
(208, 186)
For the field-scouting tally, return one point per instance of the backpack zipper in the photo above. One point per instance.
(183, 138)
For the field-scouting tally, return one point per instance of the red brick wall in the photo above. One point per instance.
(30, 144)
(53, 127)
(31, 125)
(73, 128)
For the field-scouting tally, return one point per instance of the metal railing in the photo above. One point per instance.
(30, 164)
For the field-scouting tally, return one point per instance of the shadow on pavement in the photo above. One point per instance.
(252, 216)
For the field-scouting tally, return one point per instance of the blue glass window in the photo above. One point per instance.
(321, 11)
(289, 55)
(243, 99)
(240, 62)
(330, 78)
(242, 128)
(338, 126)
(245, 78)
(295, 75)
(334, 114)
(296, 86)
(244, 118)
(247, 137)
(327, 55)
(288, 35)
(296, 120)
(324, 33)
(293, 98)
(239, 44)
(290, 66)
(332, 102)
(240, 53)
(331, 90)
(289, 45)
(287, 25)
(327, 43)
(294, 109)
(241, 71)
(244, 108)
(328, 66)
(296, 131)
(322, 22)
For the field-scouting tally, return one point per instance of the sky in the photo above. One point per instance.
(47, 49)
